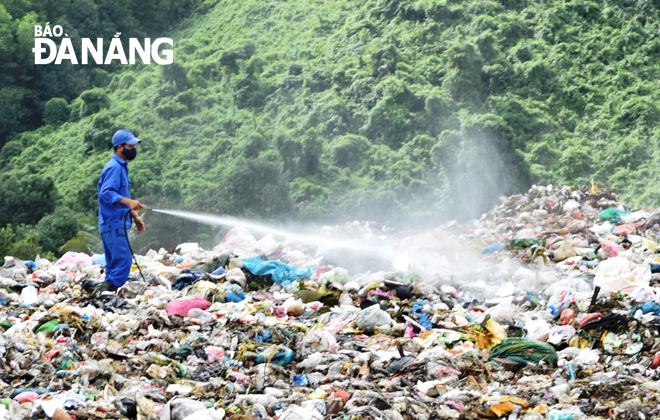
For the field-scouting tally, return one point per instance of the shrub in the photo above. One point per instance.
(27, 248)
(56, 111)
(10, 150)
(176, 73)
(26, 199)
(55, 229)
(169, 109)
(93, 101)
(350, 150)
(99, 136)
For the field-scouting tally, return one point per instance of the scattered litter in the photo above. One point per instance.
(547, 307)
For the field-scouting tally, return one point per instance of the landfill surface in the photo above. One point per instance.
(545, 307)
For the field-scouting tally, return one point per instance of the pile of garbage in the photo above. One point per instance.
(545, 307)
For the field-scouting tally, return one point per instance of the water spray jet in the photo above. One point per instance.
(226, 220)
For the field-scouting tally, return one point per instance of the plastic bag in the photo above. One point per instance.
(558, 334)
(236, 275)
(71, 259)
(492, 248)
(611, 248)
(577, 284)
(560, 300)
(207, 290)
(236, 240)
(181, 307)
(336, 275)
(278, 355)
(29, 295)
(618, 274)
(536, 328)
(371, 317)
(280, 272)
(524, 243)
(295, 412)
(612, 214)
(199, 316)
(523, 350)
(422, 317)
(181, 408)
(562, 251)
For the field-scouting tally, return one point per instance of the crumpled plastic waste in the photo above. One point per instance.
(612, 214)
(647, 307)
(492, 248)
(422, 317)
(181, 307)
(281, 273)
(278, 355)
(71, 259)
(523, 350)
(66, 400)
(98, 259)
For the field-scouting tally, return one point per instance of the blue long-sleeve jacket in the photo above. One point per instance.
(114, 184)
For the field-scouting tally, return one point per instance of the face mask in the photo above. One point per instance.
(129, 154)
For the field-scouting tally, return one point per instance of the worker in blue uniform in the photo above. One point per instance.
(114, 202)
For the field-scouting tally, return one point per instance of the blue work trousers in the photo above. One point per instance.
(118, 257)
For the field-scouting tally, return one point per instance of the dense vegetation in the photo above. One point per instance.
(389, 110)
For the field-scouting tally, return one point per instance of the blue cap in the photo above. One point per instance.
(124, 137)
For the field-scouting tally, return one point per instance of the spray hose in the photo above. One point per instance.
(129, 244)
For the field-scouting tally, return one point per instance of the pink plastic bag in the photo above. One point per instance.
(26, 396)
(611, 248)
(239, 377)
(74, 258)
(445, 370)
(409, 333)
(182, 306)
(622, 230)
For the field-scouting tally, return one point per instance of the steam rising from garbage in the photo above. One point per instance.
(479, 167)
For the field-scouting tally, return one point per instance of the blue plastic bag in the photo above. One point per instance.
(219, 271)
(234, 297)
(646, 308)
(99, 259)
(421, 316)
(301, 380)
(280, 273)
(282, 357)
(492, 248)
(30, 264)
(263, 336)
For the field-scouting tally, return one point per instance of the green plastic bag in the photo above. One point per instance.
(182, 352)
(524, 350)
(612, 214)
(48, 326)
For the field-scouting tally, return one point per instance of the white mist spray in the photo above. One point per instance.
(290, 234)
(439, 254)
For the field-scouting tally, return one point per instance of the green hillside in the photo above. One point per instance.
(394, 111)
